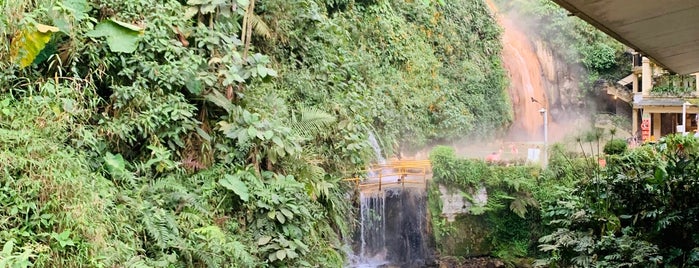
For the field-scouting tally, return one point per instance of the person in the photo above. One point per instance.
(493, 157)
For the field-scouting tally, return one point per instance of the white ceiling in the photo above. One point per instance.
(666, 31)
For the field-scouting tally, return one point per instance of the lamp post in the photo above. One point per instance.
(684, 117)
(546, 135)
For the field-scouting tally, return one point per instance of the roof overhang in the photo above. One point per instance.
(667, 31)
(667, 104)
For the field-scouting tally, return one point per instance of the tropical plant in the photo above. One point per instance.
(638, 210)
(615, 146)
(203, 133)
(511, 211)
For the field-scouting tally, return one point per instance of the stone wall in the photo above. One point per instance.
(459, 232)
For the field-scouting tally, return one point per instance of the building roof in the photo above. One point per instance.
(666, 31)
(627, 80)
(659, 102)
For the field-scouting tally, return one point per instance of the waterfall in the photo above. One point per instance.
(377, 149)
(527, 78)
(393, 229)
(372, 252)
(393, 222)
(375, 173)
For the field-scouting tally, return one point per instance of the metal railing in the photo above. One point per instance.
(401, 172)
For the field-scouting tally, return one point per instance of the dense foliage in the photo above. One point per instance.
(205, 133)
(615, 146)
(639, 210)
(673, 85)
(413, 71)
(509, 219)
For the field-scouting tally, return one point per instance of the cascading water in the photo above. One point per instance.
(382, 172)
(527, 91)
(372, 251)
(393, 229)
(377, 148)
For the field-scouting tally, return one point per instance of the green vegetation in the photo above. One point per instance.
(207, 133)
(204, 133)
(504, 226)
(670, 90)
(413, 71)
(673, 85)
(639, 210)
(615, 146)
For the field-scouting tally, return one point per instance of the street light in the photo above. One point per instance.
(684, 117)
(546, 135)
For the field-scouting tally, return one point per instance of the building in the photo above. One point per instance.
(672, 108)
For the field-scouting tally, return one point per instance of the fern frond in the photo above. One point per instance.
(162, 227)
(312, 122)
(324, 188)
(208, 258)
(315, 172)
(151, 228)
(137, 262)
(242, 254)
(167, 184)
(582, 260)
(312, 156)
(190, 200)
(190, 220)
(521, 201)
(519, 207)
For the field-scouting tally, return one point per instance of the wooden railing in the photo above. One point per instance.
(399, 172)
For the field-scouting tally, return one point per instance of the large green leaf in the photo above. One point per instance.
(234, 184)
(121, 36)
(68, 13)
(116, 165)
(78, 8)
(27, 44)
(63, 238)
(281, 254)
(193, 84)
(7, 248)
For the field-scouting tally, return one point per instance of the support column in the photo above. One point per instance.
(634, 122)
(647, 74)
(656, 126)
(635, 83)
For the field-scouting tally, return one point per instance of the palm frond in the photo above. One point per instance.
(259, 27)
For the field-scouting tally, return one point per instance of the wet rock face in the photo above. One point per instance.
(454, 204)
(407, 232)
(561, 81)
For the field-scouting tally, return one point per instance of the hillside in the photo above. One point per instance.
(211, 133)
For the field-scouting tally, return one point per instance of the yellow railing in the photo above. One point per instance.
(399, 172)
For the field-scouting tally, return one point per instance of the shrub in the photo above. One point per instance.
(615, 146)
